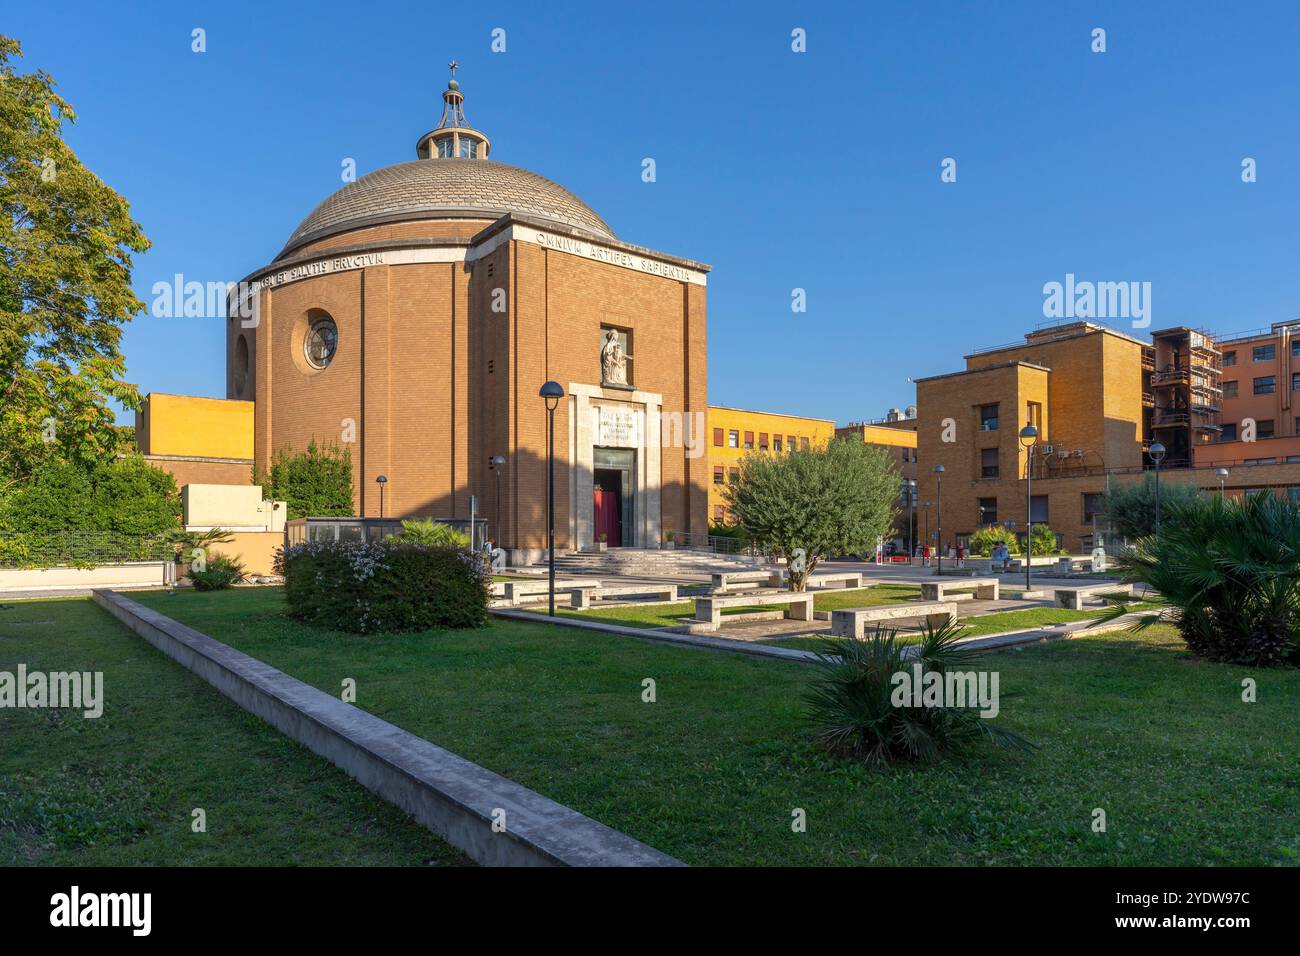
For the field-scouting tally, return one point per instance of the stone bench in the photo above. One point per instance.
(583, 597)
(708, 610)
(846, 579)
(723, 581)
(515, 591)
(852, 622)
(986, 589)
(1072, 598)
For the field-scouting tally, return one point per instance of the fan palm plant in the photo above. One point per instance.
(851, 702)
(432, 533)
(1228, 577)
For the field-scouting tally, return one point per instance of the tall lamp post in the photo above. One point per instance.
(1157, 454)
(911, 518)
(381, 481)
(1029, 438)
(497, 462)
(938, 514)
(1222, 473)
(551, 392)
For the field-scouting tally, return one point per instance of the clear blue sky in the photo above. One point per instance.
(817, 170)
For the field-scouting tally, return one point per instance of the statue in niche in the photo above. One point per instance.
(613, 360)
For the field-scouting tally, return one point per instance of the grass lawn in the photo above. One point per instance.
(119, 790)
(711, 772)
(670, 615)
(985, 624)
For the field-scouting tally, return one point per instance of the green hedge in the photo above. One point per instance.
(388, 585)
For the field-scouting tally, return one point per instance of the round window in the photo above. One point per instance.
(321, 342)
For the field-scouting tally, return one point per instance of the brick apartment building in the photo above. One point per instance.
(416, 312)
(1099, 399)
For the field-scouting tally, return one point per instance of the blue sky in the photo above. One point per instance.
(818, 170)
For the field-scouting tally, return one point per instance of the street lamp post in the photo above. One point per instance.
(926, 505)
(1222, 473)
(552, 393)
(938, 514)
(1029, 438)
(911, 519)
(381, 481)
(1157, 454)
(497, 461)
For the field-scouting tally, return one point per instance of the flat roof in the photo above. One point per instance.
(754, 411)
(982, 368)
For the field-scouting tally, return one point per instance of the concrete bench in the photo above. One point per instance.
(708, 610)
(852, 622)
(1072, 598)
(516, 591)
(583, 597)
(847, 579)
(725, 580)
(986, 589)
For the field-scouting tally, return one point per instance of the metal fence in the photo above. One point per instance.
(81, 549)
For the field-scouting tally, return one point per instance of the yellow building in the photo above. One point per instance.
(204, 440)
(738, 432)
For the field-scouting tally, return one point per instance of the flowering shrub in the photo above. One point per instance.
(389, 585)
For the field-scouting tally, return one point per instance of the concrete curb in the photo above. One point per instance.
(676, 638)
(453, 797)
(988, 642)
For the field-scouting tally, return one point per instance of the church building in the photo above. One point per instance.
(414, 316)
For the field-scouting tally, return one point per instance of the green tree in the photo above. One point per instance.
(127, 496)
(316, 483)
(1131, 509)
(983, 540)
(66, 241)
(833, 500)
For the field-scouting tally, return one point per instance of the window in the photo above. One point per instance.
(1295, 347)
(320, 342)
(468, 148)
(1229, 358)
(733, 438)
(749, 440)
(1266, 385)
(803, 444)
(717, 438)
(1263, 353)
(988, 418)
(733, 476)
(1093, 506)
(1038, 509)
(776, 443)
(1252, 492)
(762, 441)
(719, 514)
(988, 511)
(1229, 432)
(789, 443)
(1264, 428)
(717, 474)
(988, 463)
(1230, 389)
(1295, 381)
(444, 148)
(1260, 461)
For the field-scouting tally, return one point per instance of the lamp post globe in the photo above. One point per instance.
(551, 393)
(1029, 439)
(1157, 453)
(381, 481)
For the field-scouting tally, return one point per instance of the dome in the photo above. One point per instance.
(445, 188)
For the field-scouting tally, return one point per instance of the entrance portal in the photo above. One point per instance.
(613, 493)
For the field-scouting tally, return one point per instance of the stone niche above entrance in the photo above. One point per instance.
(614, 448)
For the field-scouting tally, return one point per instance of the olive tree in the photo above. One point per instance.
(805, 505)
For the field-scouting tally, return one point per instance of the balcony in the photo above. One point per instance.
(1170, 419)
(1171, 376)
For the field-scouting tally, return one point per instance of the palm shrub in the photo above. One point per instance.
(850, 701)
(220, 573)
(1228, 577)
(983, 541)
(432, 534)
